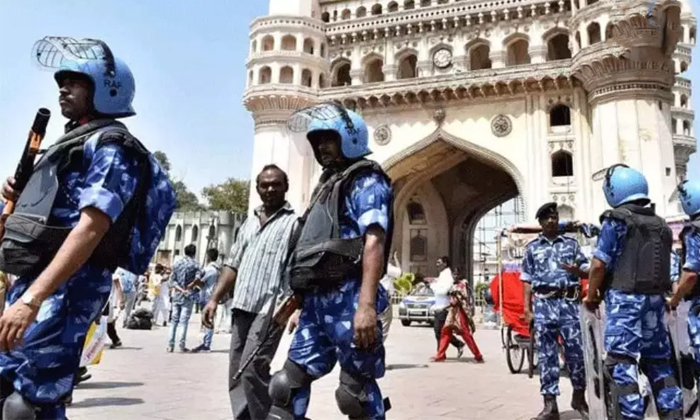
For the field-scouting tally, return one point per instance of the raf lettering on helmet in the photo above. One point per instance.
(112, 84)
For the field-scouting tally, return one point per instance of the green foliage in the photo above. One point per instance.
(231, 195)
(404, 284)
(162, 158)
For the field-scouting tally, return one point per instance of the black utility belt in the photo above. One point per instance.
(570, 293)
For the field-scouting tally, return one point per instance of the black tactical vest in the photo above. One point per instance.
(689, 227)
(645, 263)
(321, 258)
(30, 242)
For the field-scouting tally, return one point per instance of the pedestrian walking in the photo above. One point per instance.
(256, 266)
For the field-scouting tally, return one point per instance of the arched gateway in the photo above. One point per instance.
(500, 102)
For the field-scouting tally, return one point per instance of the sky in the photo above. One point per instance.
(189, 63)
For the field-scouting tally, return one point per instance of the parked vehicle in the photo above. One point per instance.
(417, 306)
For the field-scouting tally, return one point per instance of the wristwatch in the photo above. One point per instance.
(30, 300)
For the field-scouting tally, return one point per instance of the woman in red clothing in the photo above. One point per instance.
(458, 321)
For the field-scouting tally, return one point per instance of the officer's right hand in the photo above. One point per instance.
(209, 313)
(591, 303)
(8, 189)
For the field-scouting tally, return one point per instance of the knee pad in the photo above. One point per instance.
(284, 382)
(17, 408)
(613, 390)
(351, 396)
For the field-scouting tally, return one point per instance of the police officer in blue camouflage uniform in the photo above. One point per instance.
(689, 287)
(100, 206)
(341, 291)
(552, 269)
(631, 267)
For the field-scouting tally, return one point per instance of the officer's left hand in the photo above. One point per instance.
(14, 323)
(365, 324)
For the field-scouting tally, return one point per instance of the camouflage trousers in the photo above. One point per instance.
(694, 331)
(556, 317)
(325, 336)
(635, 330)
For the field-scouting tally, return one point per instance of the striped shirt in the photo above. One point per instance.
(259, 257)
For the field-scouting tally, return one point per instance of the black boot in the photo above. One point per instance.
(550, 411)
(578, 403)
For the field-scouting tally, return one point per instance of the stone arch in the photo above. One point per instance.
(326, 17)
(692, 34)
(268, 43)
(340, 72)
(178, 233)
(346, 14)
(195, 233)
(562, 164)
(377, 9)
(361, 12)
(289, 43)
(684, 101)
(557, 41)
(309, 46)
(609, 31)
(559, 115)
(674, 125)
(686, 128)
(470, 148)
(409, 5)
(286, 75)
(425, 3)
(593, 30)
(446, 164)
(479, 53)
(265, 75)
(306, 78)
(684, 66)
(392, 7)
(407, 64)
(517, 48)
(373, 68)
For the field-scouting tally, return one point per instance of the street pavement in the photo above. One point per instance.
(140, 381)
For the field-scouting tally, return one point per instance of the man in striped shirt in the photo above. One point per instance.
(255, 267)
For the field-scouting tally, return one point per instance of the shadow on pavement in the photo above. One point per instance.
(109, 385)
(125, 348)
(99, 402)
(405, 366)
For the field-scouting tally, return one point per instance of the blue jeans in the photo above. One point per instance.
(208, 335)
(182, 311)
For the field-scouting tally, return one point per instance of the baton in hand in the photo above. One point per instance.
(279, 321)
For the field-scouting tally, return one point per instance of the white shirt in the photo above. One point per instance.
(392, 273)
(440, 288)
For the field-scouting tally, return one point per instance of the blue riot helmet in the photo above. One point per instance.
(623, 185)
(689, 196)
(348, 125)
(112, 80)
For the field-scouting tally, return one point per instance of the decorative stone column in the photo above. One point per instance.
(629, 81)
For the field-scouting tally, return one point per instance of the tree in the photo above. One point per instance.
(186, 199)
(231, 195)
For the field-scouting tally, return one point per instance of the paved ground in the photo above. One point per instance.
(141, 381)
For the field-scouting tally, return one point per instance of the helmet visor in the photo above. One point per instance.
(606, 173)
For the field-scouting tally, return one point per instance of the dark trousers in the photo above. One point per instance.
(440, 318)
(112, 332)
(249, 395)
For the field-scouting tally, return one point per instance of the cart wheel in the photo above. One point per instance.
(515, 356)
(531, 354)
